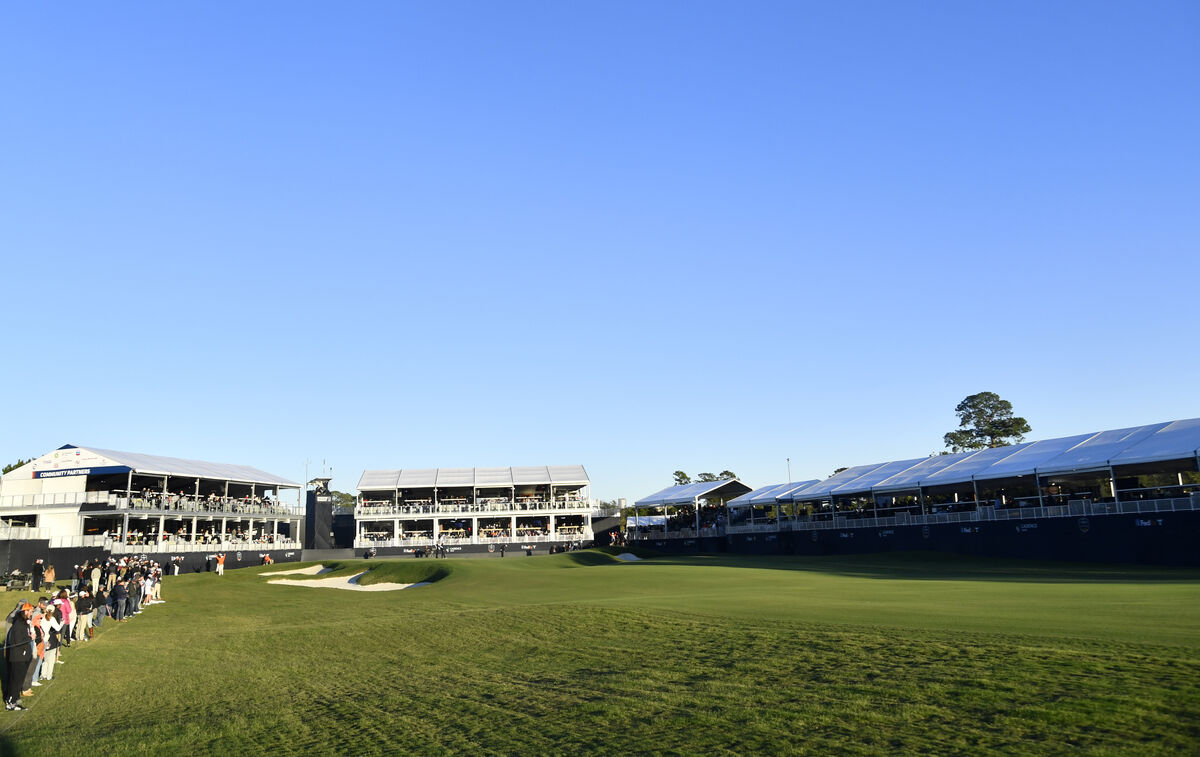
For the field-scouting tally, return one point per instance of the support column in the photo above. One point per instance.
(696, 502)
(437, 529)
(162, 519)
(223, 519)
(513, 528)
(474, 530)
(196, 504)
(124, 530)
(396, 530)
(129, 489)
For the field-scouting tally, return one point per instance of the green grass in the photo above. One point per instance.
(582, 653)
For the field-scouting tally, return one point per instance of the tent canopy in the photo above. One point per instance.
(1176, 440)
(158, 465)
(686, 494)
(472, 478)
(822, 489)
(915, 476)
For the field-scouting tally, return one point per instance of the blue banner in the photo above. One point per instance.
(100, 471)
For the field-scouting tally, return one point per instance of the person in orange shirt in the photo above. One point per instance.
(221, 564)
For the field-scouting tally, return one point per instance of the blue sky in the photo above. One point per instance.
(636, 236)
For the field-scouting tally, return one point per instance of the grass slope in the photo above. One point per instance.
(579, 652)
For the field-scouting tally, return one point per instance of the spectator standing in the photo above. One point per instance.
(221, 564)
(39, 573)
(119, 597)
(83, 615)
(18, 655)
(52, 631)
(101, 609)
(68, 616)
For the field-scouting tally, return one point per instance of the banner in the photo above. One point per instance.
(645, 520)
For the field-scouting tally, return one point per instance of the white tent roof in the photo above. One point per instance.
(176, 466)
(480, 478)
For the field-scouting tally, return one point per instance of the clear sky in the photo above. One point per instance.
(640, 236)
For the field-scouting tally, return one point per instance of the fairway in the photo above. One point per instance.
(582, 653)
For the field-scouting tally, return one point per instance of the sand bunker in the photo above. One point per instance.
(628, 557)
(341, 582)
(311, 570)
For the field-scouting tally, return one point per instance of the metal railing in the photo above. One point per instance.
(391, 510)
(118, 548)
(16, 533)
(157, 502)
(426, 541)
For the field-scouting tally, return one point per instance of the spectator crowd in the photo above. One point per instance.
(36, 635)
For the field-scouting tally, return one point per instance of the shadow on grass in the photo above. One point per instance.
(397, 572)
(937, 566)
(377, 571)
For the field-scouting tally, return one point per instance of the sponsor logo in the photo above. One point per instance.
(239, 556)
(887, 532)
(1148, 522)
(1023, 527)
(846, 534)
(924, 532)
(1085, 525)
(814, 536)
(969, 529)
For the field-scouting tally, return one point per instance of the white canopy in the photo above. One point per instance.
(472, 478)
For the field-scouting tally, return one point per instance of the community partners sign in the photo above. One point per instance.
(80, 471)
(74, 461)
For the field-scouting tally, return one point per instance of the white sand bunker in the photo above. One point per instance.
(341, 582)
(628, 557)
(311, 570)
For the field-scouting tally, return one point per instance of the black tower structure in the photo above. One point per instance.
(318, 515)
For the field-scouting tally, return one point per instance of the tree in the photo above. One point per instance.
(14, 466)
(837, 471)
(704, 478)
(342, 499)
(985, 420)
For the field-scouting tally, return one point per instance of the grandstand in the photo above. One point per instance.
(131, 503)
(464, 509)
(992, 500)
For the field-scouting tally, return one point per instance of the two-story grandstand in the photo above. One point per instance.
(473, 509)
(83, 502)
